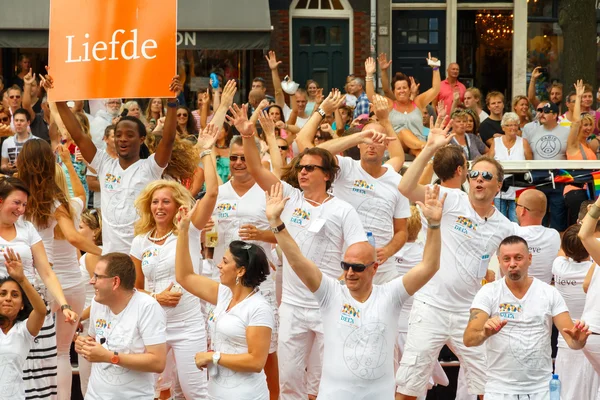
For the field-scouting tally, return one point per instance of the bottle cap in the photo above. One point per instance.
(554, 376)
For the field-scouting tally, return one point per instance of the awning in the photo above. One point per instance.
(201, 24)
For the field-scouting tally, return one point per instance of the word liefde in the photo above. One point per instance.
(114, 47)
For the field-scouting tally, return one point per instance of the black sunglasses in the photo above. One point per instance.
(355, 267)
(283, 147)
(235, 158)
(541, 109)
(308, 167)
(488, 176)
(5, 119)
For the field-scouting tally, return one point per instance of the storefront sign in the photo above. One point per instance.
(112, 49)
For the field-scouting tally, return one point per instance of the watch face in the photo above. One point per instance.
(114, 359)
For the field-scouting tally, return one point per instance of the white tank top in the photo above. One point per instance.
(591, 311)
(516, 152)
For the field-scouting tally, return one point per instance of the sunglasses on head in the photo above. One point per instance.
(541, 109)
(5, 119)
(308, 167)
(488, 176)
(355, 267)
(283, 147)
(235, 158)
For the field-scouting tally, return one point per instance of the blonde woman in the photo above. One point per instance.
(521, 107)
(153, 254)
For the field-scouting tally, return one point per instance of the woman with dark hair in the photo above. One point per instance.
(22, 237)
(186, 126)
(204, 113)
(241, 322)
(22, 313)
(472, 124)
(222, 151)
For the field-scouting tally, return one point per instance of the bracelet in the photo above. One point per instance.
(594, 211)
(369, 78)
(434, 226)
(65, 307)
(436, 68)
(205, 153)
(173, 104)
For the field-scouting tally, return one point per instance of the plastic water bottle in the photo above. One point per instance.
(554, 388)
(371, 239)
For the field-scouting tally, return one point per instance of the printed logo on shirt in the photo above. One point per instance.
(148, 255)
(111, 181)
(349, 314)
(300, 216)
(535, 250)
(510, 311)
(548, 146)
(211, 315)
(465, 225)
(564, 282)
(101, 326)
(361, 186)
(223, 209)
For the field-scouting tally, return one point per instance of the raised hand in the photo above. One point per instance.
(272, 60)
(333, 101)
(239, 118)
(46, 81)
(432, 61)
(384, 64)
(29, 78)
(438, 133)
(382, 109)
(326, 128)
(433, 206)
(267, 124)
(228, 93)
(275, 202)
(536, 73)
(579, 87)
(63, 153)
(370, 67)
(176, 87)
(371, 136)
(14, 266)
(493, 326)
(205, 97)
(441, 109)
(184, 215)
(208, 137)
(579, 332)
(414, 87)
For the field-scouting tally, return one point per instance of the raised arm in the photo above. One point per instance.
(198, 285)
(438, 137)
(307, 134)
(165, 147)
(588, 277)
(339, 145)
(261, 175)
(432, 209)
(588, 228)
(268, 128)
(572, 141)
(26, 104)
(273, 65)
(384, 66)
(78, 189)
(73, 236)
(202, 213)
(382, 112)
(14, 267)
(306, 270)
(535, 74)
(436, 82)
(205, 109)
(226, 101)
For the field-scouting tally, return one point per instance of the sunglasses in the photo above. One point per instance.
(308, 167)
(5, 119)
(283, 147)
(14, 97)
(235, 158)
(539, 110)
(182, 115)
(355, 267)
(488, 176)
(318, 137)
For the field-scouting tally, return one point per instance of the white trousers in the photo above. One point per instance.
(578, 380)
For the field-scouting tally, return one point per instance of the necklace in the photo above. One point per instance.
(218, 146)
(405, 112)
(249, 294)
(160, 239)
(316, 202)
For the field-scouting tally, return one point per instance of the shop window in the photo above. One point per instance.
(542, 8)
(544, 49)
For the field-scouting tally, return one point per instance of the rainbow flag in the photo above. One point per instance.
(596, 176)
(518, 192)
(562, 176)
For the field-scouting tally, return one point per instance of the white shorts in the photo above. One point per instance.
(577, 376)
(429, 329)
(532, 396)
(592, 351)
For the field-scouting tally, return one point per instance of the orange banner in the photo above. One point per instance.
(102, 49)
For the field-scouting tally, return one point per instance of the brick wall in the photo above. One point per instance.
(362, 29)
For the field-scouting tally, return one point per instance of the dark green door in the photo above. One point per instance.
(320, 51)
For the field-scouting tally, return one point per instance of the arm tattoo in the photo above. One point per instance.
(474, 314)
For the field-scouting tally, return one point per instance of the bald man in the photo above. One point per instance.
(544, 243)
(449, 86)
(360, 319)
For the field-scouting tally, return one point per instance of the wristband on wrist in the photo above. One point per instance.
(205, 153)
(436, 68)
(594, 211)
(434, 226)
(369, 78)
(65, 307)
(321, 112)
(173, 104)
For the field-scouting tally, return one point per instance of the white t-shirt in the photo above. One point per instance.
(544, 244)
(158, 265)
(362, 335)
(519, 357)
(468, 243)
(568, 279)
(66, 264)
(548, 144)
(231, 212)
(591, 311)
(483, 116)
(11, 148)
(140, 324)
(119, 190)
(323, 233)
(377, 200)
(14, 348)
(407, 257)
(228, 332)
(47, 233)
(26, 237)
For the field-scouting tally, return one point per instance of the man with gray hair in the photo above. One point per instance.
(102, 119)
(356, 87)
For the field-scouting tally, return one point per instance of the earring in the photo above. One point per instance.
(237, 280)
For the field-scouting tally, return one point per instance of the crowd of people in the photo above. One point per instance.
(282, 248)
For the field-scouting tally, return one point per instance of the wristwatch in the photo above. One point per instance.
(216, 357)
(278, 228)
(173, 104)
(114, 359)
(65, 307)
(321, 112)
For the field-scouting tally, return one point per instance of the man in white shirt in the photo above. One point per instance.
(360, 319)
(544, 243)
(471, 232)
(372, 187)
(126, 341)
(323, 226)
(515, 315)
(13, 144)
(473, 101)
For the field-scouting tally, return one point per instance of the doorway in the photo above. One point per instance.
(484, 50)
